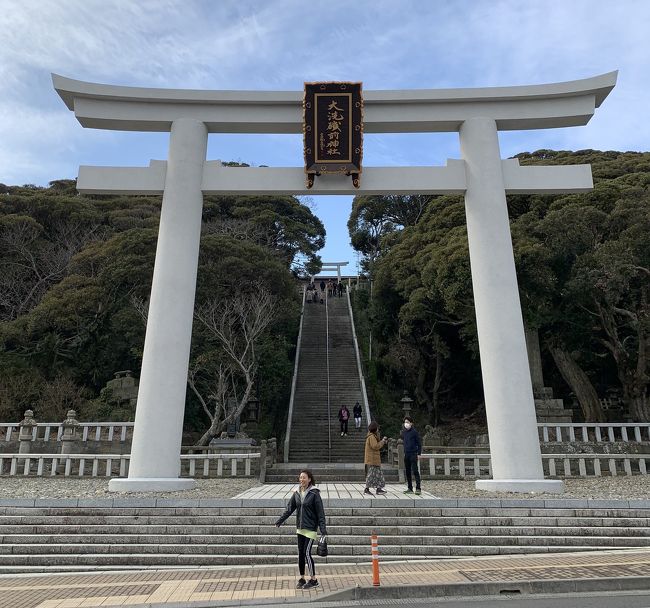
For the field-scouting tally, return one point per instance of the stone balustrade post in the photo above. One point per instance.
(69, 434)
(391, 451)
(400, 460)
(263, 453)
(26, 432)
(274, 450)
(68, 437)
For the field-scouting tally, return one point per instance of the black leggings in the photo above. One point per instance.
(304, 555)
(344, 426)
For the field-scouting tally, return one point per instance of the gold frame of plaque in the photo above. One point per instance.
(333, 129)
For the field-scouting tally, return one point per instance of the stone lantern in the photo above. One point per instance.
(252, 410)
(69, 434)
(25, 435)
(406, 402)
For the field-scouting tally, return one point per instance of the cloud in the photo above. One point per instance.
(279, 44)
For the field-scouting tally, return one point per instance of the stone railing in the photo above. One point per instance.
(203, 465)
(87, 431)
(117, 465)
(555, 465)
(590, 432)
(548, 432)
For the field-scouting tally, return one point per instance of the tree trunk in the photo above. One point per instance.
(421, 394)
(218, 426)
(640, 408)
(580, 384)
(435, 415)
(212, 432)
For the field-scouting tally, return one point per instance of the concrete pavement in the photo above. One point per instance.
(622, 569)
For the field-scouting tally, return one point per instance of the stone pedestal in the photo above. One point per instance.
(549, 409)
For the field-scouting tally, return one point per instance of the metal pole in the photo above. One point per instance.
(327, 361)
(370, 326)
(375, 559)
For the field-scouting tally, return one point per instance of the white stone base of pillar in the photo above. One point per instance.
(522, 486)
(151, 484)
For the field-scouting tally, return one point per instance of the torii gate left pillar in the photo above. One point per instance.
(157, 433)
(481, 176)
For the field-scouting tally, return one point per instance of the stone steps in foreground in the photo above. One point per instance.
(350, 525)
(54, 561)
(286, 546)
(340, 535)
(84, 563)
(55, 537)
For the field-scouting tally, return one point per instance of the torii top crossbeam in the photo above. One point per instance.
(544, 106)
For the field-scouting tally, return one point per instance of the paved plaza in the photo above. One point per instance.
(247, 585)
(331, 491)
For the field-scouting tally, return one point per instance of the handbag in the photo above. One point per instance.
(321, 549)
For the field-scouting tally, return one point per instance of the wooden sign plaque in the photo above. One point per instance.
(333, 129)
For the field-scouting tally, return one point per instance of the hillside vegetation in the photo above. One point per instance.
(76, 275)
(74, 287)
(583, 266)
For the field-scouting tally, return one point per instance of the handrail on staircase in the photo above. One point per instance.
(364, 394)
(287, 436)
(327, 359)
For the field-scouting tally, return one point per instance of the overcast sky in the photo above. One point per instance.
(280, 44)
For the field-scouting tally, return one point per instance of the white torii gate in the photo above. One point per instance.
(334, 266)
(481, 176)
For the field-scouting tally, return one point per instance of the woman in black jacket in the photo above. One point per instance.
(310, 516)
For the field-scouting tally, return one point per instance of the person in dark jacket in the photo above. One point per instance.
(356, 410)
(412, 450)
(310, 516)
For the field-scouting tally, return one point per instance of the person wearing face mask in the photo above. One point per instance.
(412, 450)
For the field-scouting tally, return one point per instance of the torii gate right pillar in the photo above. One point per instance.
(509, 403)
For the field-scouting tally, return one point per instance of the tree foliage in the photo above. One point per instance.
(76, 277)
(375, 218)
(583, 270)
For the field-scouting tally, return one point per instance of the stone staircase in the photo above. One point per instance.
(55, 537)
(310, 441)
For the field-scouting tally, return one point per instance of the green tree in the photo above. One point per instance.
(77, 276)
(374, 218)
(280, 223)
(582, 266)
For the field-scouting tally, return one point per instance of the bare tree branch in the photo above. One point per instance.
(236, 323)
